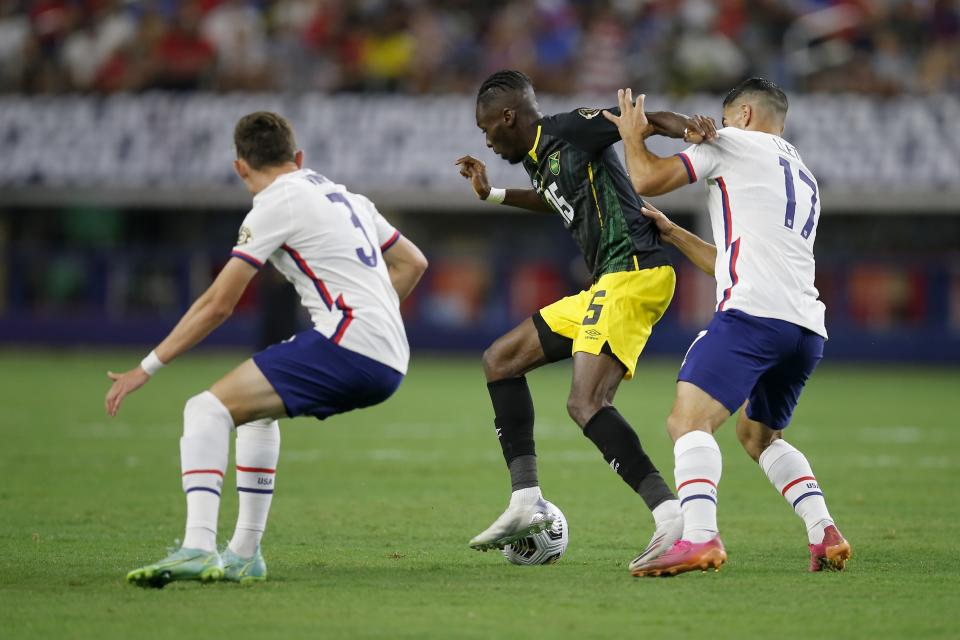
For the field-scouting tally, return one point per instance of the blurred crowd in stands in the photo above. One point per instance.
(880, 47)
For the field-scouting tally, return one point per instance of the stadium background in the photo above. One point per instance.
(118, 205)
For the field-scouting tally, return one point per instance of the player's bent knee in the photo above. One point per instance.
(203, 410)
(756, 443)
(581, 409)
(497, 364)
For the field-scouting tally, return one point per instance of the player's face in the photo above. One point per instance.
(497, 124)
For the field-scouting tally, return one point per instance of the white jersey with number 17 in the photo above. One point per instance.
(764, 208)
(329, 243)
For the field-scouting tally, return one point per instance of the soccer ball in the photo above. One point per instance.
(545, 547)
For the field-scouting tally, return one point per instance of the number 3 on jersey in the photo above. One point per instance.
(371, 259)
(559, 203)
(792, 198)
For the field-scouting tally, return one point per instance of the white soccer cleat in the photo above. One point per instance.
(513, 524)
(663, 538)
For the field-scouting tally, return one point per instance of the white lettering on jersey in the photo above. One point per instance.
(764, 208)
(329, 244)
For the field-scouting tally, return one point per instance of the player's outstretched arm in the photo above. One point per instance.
(476, 172)
(406, 264)
(693, 129)
(215, 305)
(698, 251)
(650, 174)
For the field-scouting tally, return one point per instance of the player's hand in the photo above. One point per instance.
(664, 225)
(476, 172)
(632, 121)
(123, 384)
(700, 129)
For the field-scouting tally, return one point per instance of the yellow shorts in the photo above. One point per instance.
(619, 310)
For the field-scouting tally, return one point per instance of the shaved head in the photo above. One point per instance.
(763, 94)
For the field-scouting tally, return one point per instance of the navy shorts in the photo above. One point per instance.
(742, 357)
(315, 377)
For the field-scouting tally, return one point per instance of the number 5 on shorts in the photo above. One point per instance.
(594, 309)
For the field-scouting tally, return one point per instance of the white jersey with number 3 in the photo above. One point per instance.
(764, 208)
(329, 244)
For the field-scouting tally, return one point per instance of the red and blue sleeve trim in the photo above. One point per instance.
(253, 262)
(691, 173)
(389, 243)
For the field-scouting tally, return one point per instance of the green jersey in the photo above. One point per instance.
(574, 168)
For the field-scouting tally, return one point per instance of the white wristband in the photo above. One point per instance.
(151, 364)
(496, 195)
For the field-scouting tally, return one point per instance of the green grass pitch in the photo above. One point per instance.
(373, 511)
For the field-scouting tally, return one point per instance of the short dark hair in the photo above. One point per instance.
(503, 82)
(774, 96)
(264, 139)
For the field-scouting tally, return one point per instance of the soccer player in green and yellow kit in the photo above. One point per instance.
(576, 173)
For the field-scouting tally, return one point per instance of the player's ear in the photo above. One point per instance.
(298, 159)
(509, 117)
(242, 168)
(746, 114)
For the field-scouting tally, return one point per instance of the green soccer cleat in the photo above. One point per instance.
(243, 570)
(183, 564)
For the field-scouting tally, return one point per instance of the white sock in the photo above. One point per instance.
(666, 511)
(204, 448)
(791, 474)
(697, 473)
(258, 449)
(525, 496)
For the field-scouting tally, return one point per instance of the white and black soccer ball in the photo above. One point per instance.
(545, 547)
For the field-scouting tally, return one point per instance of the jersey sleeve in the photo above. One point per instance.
(585, 129)
(265, 229)
(703, 160)
(387, 235)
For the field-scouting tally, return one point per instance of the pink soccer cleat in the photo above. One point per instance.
(832, 553)
(685, 556)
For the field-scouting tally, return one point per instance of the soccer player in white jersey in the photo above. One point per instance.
(351, 268)
(768, 332)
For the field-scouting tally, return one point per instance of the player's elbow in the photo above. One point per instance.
(408, 258)
(420, 264)
(414, 270)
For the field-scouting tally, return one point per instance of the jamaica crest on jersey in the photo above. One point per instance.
(553, 161)
(589, 114)
(244, 236)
